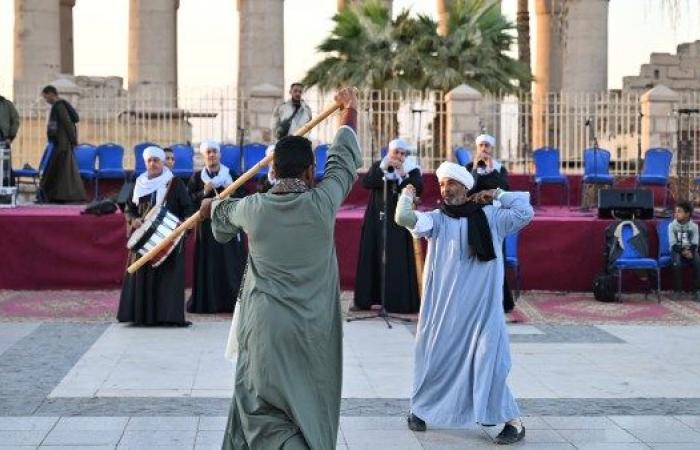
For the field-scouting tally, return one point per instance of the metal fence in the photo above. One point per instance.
(568, 122)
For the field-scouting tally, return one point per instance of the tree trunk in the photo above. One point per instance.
(525, 125)
(523, 27)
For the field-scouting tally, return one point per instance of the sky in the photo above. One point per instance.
(207, 30)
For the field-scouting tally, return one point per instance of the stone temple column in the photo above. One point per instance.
(548, 66)
(66, 25)
(37, 41)
(585, 52)
(153, 51)
(260, 64)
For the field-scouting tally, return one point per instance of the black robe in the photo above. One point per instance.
(156, 296)
(218, 268)
(493, 180)
(401, 283)
(61, 182)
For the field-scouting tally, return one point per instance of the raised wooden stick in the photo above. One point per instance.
(194, 218)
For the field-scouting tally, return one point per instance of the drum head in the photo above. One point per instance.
(142, 234)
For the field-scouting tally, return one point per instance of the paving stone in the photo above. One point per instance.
(83, 437)
(212, 423)
(160, 438)
(27, 423)
(22, 437)
(598, 436)
(163, 423)
(91, 423)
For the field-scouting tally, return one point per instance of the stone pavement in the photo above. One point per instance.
(84, 385)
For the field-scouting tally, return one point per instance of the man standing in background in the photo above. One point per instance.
(291, 115)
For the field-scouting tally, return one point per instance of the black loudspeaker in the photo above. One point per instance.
(625, 203)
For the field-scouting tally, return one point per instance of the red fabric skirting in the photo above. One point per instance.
(54, 247)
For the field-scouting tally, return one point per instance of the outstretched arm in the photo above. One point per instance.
(419, 224)
(514, 213)
(343, 156)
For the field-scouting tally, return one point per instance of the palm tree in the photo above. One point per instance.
(369, 50)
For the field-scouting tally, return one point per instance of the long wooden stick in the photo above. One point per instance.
(194, 218)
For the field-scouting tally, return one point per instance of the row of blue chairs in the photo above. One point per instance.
(106, 161)
(656, 170)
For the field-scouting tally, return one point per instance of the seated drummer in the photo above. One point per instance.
(155, 296)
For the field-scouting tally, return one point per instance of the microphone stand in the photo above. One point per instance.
(594, 138)
(384, 218)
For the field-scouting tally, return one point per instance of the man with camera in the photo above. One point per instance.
(291, 115)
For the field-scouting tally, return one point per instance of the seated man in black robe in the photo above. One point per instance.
(218, 268)
(401, 287)
(155, 295)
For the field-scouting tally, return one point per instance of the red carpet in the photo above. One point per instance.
(532, 307)
(54, 247)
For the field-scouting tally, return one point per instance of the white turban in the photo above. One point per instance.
(153, 152)
(486, 138)
(209, 144)
(455, 172)
(399, 144)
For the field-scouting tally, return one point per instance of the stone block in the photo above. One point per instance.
(679, 73)
(660, 93)
(636, 82)
(463, 92)
(664, 59)
(686, 85)
(690, 62)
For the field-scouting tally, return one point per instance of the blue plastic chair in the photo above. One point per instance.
(139, 164)
(86, 157)
(596, 169)
(252, 154)
(664, 259)
(657, 169)
(463, 156)
(631, 259)
(34, 174)
(231, 158)
(321, 158)
(184, 160)
(548, 171)
(512, 260)
(110, 164)
(383, 151)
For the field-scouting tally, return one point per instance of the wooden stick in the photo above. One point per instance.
(194, 218)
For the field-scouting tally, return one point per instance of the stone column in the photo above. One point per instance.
(37, 41)
(153, 51)
(462, 107)
(261, 45)
(548, 67)
(66, 25)
(585, 51)
(260, 64)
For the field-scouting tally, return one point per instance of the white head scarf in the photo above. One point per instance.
(145, 186)
(153, 152)
(209, 144)
(486, 138)
(399, 144)
(455, 172)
